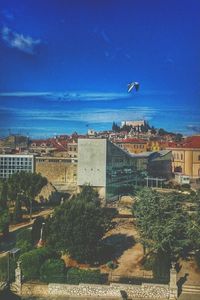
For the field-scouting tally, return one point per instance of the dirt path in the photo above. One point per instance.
(131, 251)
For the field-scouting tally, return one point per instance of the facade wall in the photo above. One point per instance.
(10, 164)
(57, 170)
(104, 166)
(120, 170)
(161, 167)
(134, 147)
(92, 162)
(187, 162)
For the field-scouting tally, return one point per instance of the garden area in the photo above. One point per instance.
(83, 241)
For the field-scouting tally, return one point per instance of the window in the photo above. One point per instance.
(198, 157)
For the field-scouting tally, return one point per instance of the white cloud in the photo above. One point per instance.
(18, 41)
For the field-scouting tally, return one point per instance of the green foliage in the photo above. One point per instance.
(17, 214)
(161, 265)
(52, 270)
(4, 213)
(4, 222)
(197, 258)
(162, 223)
(112, 265)
(24, 240)
(4, 196)
(115, 127)
(76, 276)
(3, 268)
(5, 264)
(31, 262)
(26, 184)
(78, 225)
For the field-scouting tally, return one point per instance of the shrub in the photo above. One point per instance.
(112, 265)
(197, 258)
(76, 276)
(185, 186)
(4, 268)
(161, 265)
(32, 260)
(52, 270)
(149, 263)
(24, 240)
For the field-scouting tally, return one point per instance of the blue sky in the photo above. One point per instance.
(65, 65)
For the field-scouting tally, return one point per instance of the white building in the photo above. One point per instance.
(15, 163)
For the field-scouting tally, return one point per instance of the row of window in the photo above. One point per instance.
(15, 159)
(180, 156)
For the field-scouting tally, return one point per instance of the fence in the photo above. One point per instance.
(138, 280)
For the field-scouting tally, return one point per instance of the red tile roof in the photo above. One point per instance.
(131, 140)
(189, 142)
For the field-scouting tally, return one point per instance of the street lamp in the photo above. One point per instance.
(41, 241)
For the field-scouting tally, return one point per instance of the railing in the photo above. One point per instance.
(138, 280)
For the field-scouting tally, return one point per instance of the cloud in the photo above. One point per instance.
(69, 96)
(92, 115)
(25, 94)
(195, 128)
(18, 41)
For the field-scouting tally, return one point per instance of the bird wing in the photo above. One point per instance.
(130, 87)
(137, 86)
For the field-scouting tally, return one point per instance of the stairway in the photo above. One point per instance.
(191, 289)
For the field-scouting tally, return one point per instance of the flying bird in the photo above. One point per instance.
(133, 85)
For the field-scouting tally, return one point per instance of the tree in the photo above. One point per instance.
(162, 223)
(17, 214)
(4, 196)
(4, 213)
(178, 137)
(27, 185)
(115, 127)
(78, 225)
(4, 222)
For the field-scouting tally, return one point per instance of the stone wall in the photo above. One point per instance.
(144, 291)
(58, 171)
(115, 290)
(34, 290)
(84, 290)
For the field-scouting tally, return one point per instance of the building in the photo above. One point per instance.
(157, 163)
(186, 157)
(134, 124)
(60, 171)
(15, 163)
(132, 145)
(105, 166)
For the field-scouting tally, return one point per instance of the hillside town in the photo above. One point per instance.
(166, 158)
(120, 176)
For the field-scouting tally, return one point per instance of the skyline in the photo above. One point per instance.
(72, 62)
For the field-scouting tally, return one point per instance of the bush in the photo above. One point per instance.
(76, 276)
(52, 270)
(161, 265)
(31, 262)
(4, 268)
(197, 258)
(24, 240)
(186, 186)
(149, 263)
(112, 265)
